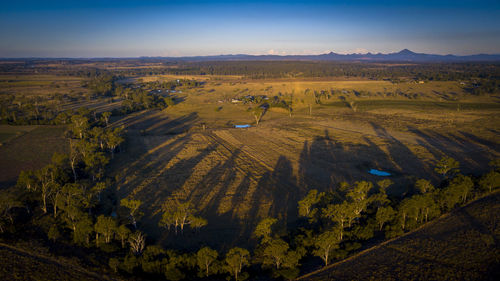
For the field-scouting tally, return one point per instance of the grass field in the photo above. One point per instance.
(9, 132)
(238, 176)
(460, 246)
(32, 149)
(32, 85)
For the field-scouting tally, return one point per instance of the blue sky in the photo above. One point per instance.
(110, 28)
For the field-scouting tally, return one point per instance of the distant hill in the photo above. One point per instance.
(402, 56)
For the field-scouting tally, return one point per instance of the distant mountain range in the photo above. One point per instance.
(402, 56)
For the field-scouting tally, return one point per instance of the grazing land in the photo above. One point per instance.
(142, 138)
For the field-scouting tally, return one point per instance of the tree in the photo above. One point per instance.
(172, 271)
(114, 139)
(446, 165)
(205, 258)
(384, 214)
(153, 259)
(423, 186)
(177, 214)
(133, 207)
(461, 186)
(123, 232)
(325, 243)
(97, 135)
(84, 228)
(263, 229)
(235, 260)
(27, 179)
(95, 163)
(105, 226)
(105, 117)
(74, 156)
(56, 197)
(113, 264)
(490, 181)
(197, 222)
(54, 233)
(258, 112)
(80, 124)
(72, 214)
(384, 184)
(339, 214)
(360, 191)
(44, 177)
(137, 241)
(275, 252)
(7, 204)
(306, 204)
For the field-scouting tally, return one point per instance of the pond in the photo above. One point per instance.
(242, 126)
(379, 173)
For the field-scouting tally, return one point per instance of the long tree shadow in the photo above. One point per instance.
(325, 163)
(161, 124)
(406, 161)
(473, 158)
(491, 145)
(213, 186)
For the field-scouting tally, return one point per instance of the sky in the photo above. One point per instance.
(126, 28)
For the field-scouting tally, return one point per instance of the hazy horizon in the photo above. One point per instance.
(117, 29)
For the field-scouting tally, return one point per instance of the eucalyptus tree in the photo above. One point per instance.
(446, 165)
(306, 205)
(133, 207)
(325, 243)
(205, 259)
(236, 259)
(106, 226)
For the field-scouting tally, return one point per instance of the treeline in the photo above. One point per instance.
(171, 85)
(272, 69)
(378, 71)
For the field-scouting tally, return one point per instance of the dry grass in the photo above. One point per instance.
(31, 150)
(32, 85)
(237, 176)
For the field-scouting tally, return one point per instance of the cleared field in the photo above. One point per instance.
(460, 246)
(32, 85)
(31, 150)
(235, 177)
(10, 132)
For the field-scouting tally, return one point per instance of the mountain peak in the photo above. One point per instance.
(406, 52)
